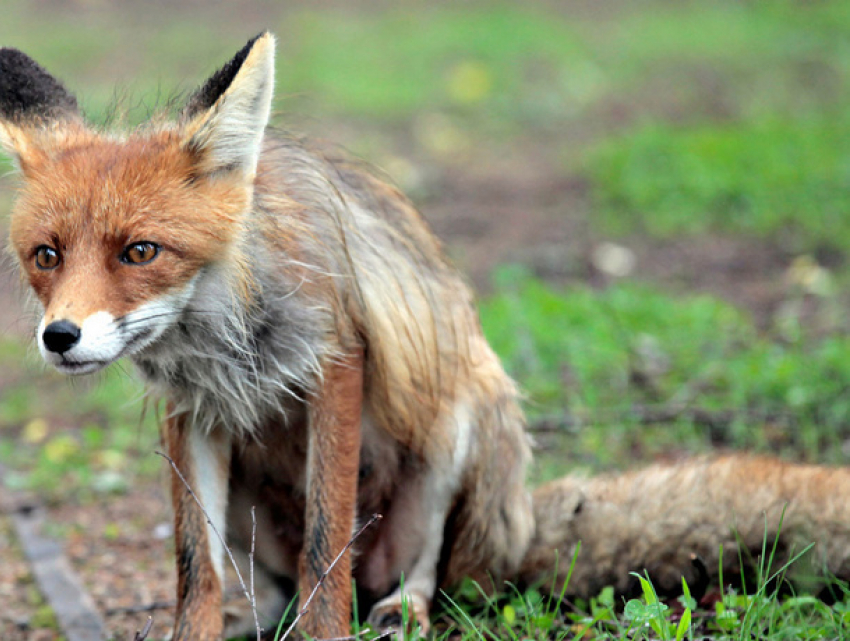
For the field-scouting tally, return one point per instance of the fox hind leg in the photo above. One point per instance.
(419, 584)
(423, 504)
(492, 523)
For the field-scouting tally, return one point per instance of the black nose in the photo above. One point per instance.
(60, 336)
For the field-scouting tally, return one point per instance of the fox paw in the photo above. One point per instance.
(389, 614)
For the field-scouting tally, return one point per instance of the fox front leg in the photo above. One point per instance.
(332, 471)
(204, 462)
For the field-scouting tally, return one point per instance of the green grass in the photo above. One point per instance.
(398, 63)
(530, 63)
(726, 614)
(72, 439)
(783, 180)
(737, 127)
(610, 358)
(386, 64)
(473, 614)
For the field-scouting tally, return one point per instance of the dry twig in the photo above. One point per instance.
(143, 633)
(356, 637)
(251, 570)
(306, 606)
(145, 607)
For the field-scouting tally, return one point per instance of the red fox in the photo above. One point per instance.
(320, 358)
(659, 519)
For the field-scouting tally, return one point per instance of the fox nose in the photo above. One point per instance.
(60, 336)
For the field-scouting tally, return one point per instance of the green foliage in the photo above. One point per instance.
(648, 612)
(743, 37)
(387, 64)
(516, 615)
(758, 146)
(764, 614)
(784, 179)
(611, 357)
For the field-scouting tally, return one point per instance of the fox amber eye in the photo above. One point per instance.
(46, 257)
(139, 253)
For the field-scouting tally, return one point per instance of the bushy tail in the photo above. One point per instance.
(671, 521)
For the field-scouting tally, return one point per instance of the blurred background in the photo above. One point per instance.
(652, 201)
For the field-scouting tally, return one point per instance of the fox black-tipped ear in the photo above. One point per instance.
(225, 119)
(31, 102)
(28, 92)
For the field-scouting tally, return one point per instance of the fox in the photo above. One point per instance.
(319, 357)
(746, 518)
(322, 361)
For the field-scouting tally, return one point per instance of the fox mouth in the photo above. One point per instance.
(79, 367)
(75, 368)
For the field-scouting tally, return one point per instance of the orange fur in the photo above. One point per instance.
(333, 464)
(127, 190)
(199, 590)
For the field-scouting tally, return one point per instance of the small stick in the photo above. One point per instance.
(356, 637)
(375, 517)
(143, 634)
(145, 607)
(251, 571)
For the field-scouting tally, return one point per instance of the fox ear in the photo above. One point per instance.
(32, 105)
(225, 119)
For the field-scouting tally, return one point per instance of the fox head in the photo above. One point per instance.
(113, 231)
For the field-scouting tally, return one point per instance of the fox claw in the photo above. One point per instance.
(390, 614)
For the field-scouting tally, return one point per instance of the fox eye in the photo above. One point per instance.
(139, 253)
(46, 257)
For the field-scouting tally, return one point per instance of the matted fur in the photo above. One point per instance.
(322, 248)
(658, 519)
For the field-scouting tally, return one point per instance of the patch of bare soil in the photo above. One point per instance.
(748, 273)
(542, 220)
(121, 549)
